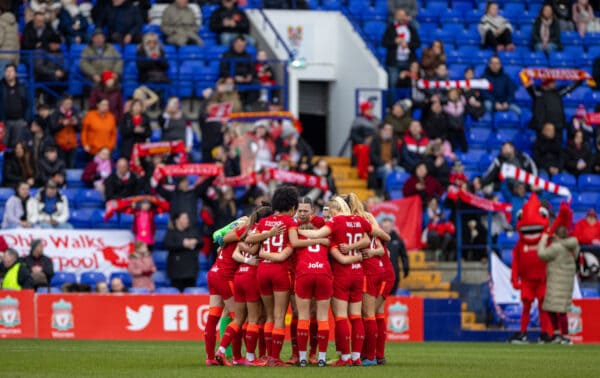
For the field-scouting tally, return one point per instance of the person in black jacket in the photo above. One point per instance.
(547, 151)
(123, 22)
(122, 183)
(229, 21)
(384, 155)
(151, 62)
(183, 243)
(134, 128)
(237, 63)
(18, 167)
(50, 66)
(437, 165)
(292, 147)
(37, 33)
(40, 265)
(546, 31)
(401, 40)
(185, 199)
(548, 104)
(51, 166)
(435, 121)
(14, 107)
(508, 154)
(396, 248)
(578, 157)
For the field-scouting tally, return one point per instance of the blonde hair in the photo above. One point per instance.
(358, 208)
(338, 204)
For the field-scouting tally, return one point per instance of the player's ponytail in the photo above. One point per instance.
(258, 214)
(338, 204)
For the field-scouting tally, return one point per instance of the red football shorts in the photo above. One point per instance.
(245, 287)
(531, 290)
(389, 279)
(218, 285)
(348, 288)
(272, 278)
(318, 286)
(373, 285)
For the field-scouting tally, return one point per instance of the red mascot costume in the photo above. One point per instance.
(528, 270)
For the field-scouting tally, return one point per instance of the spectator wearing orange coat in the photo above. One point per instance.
(99, 129)
(141, 267)
(587, 230)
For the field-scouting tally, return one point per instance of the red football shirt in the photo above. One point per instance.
(373, 265)
(277, 243)
(225, 264)
(312, 260)
(347, 229)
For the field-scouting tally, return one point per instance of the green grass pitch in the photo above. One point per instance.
(49, 358)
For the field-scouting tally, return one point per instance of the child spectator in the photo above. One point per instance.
(50, 167)
(578, 155)
(438, 234)
(143, 223)
(475, 107)
(141, 267)
(97, 170)
(455, 116)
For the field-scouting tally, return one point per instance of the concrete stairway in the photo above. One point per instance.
(346, 177)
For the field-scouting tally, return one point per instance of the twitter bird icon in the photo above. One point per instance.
(138, 320)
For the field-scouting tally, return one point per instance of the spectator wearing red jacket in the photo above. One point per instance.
(414, 146)
(422, 184)
(587, 230)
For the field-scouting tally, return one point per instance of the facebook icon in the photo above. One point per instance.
(175, 318)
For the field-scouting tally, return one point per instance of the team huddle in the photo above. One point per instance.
(284, 253)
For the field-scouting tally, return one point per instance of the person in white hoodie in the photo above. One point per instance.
(49, 208)
(15, 211)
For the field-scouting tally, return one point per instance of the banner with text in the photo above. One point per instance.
(77, 251)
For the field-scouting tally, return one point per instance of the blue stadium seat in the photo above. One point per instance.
(485, 162)
(159, 238)
(125, 220)
(508, 239)
(374, 30)
(401, 292)
(215, 52)
(124, 276)
(73, 178)
(48, 290)
(99, 222)
(478, 137)
(195, 290)
(560, 59)
(484, 122)
(81, 218)
(90, 199)
(502, 135)
(565, 179)
(503, 120)
(160, 259)
(394, 183)
(92, 278)
(581, 95)
(589, 292)
(462, 6)
(61, 278)
(589, 182)
(166, 290)
(534, 58)
(513, 11)
(5, 194)
(138, 290)
(510, 57)
(160, 279)
(522, 97)
(191, 52)
(471, 158)
(468, 37)
(586, 200)
(161, 220)
(201, 280)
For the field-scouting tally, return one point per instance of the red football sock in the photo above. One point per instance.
(563, 324)
(525, 316)
(251, 338)
(323, 335)
(294, 335)
(269, 338)
(230, 333)
(314, 340)
(210, 331)
(262, 345)
(358, 333)
(381, 336)
(303, 327)
(236, 345)
(370, 343)
(545, 321)
(278, 337)
(342, 331)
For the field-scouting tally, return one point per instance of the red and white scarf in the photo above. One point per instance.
(296, 178)
(178, 170)
(455, 194)
(543, 74)
(125, 205)
(450, 84)
(141, 150)
(509, 171)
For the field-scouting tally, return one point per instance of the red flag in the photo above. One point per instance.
(408, 216)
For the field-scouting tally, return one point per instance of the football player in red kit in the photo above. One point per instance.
(247, 296)
(220, 287)
(314, 280)
(348, 232)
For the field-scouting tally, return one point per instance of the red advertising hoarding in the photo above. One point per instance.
(17, 315)
(584, 326)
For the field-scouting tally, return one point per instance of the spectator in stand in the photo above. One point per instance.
(73, 25)
(384, 156)
(437, 165)
(99, 129)
(547, 151)
(441, 74)
(65, 123)
(285, 4)
(262, 146)
(401, 41)
(183, 242)
(516, 197)
(15, 211)
(151, 62)
(143, 228)
(595, 162)
(297, 151)
(409, 79)
(475, 102)
(98, 170)
(141, 267)
(578, 156)
(48, 8)
(508, 154)
(399, 117)
(584, 18)
(237, 63)
(123, 22)
(580, 123)
(548, 104)
(587, 230)
(98, 57)
(562, 10)
(184, 199)
(174, 125)
(421, 183)
(15, 109)
(546, 31)
(229, 159)
(16, 275)
(364, 125)
(101, 288)
(49, 208)
(50, 66)
(117, 286)
(50, 167)
(413, 146)
(438, 234)
(122, 183)
(179, 24)
(229, 21)
(502, 96)
(395, 247)
(265, 74)
(322, 169)
(435, 121)
(432, 57)
(495, 30)
(134, 128)
(9, 29)
(37, 33)
(108, 89)
(39, 265)
(455, 116)
(18, 167)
